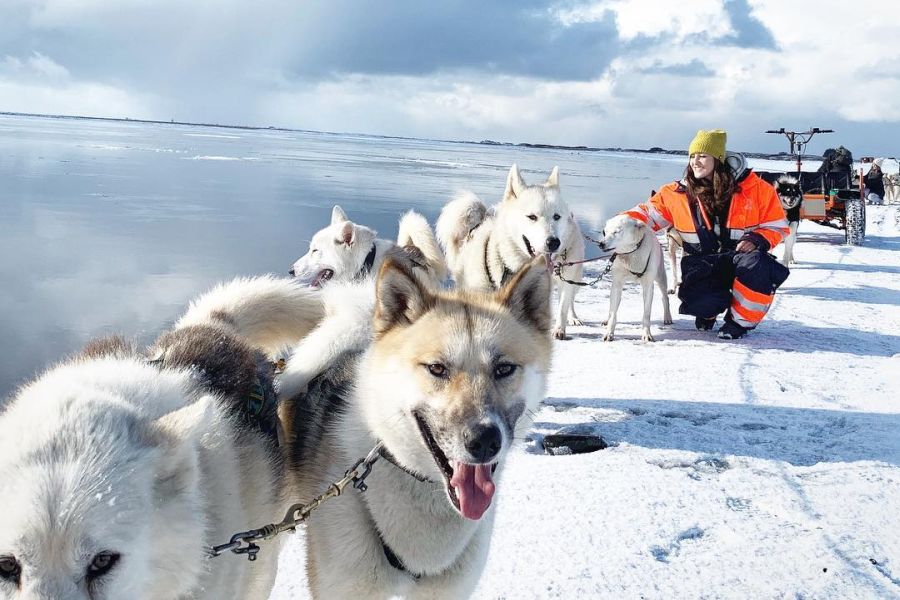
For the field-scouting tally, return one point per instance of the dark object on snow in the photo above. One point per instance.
(836, 160)
(573, 443)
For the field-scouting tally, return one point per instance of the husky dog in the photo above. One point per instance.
(638, 256)
(445, 380)
(788, 190)
(891, 188)
(484, 247)
(119, 470)
(673, 243)
(344, 251)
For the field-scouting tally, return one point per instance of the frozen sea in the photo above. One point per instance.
(112, 227)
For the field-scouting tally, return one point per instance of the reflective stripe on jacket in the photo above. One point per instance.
(755, 210)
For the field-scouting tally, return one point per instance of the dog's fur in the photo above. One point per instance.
(638, 258)
(891, 187)
(119, 469)
(484, 247)
(791, 196)
(446, 380)
(673, 244)
(341, 251)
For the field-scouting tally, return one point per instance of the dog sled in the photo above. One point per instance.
(832, 196)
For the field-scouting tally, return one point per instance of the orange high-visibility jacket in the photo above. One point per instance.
(755, 210)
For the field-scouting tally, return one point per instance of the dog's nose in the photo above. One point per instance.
(291, 272)
(483, 442)
(552, 244)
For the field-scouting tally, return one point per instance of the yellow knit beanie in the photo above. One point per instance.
(710, 142)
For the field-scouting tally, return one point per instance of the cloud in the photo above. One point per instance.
(600, 73)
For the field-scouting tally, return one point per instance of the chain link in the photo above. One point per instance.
(244, 542)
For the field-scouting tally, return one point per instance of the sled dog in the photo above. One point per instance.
(638, 257)
(344, 251)
(119, 469)
(673, 244)
(891, 188)
(788, 190)
(445, 380)
(484, 247)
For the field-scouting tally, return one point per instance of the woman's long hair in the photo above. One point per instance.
(715, 193)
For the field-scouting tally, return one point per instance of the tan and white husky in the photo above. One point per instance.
(446, 381)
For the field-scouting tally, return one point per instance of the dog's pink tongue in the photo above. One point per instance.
(474, 488)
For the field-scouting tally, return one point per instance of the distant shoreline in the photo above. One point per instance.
(653, 150)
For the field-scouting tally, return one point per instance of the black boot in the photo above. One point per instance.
(703, 324)
(732, 331)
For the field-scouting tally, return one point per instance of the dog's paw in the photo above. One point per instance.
(604, 323)
(576, 321)
(647, 337)
(560, 334)
(608, 337)
(667, 320)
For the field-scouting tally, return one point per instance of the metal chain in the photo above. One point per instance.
(244, 542)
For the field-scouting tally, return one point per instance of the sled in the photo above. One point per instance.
(833, 199)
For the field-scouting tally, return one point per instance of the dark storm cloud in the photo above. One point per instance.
(168, 45)
(419, 38)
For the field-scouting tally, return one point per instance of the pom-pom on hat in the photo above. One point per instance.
(710, 142)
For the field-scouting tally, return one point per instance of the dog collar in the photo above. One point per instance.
(386, 455)
(367, 264)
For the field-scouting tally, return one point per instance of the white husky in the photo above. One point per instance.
(445, 380)
(344, 251)
(119, 470)
(485, 247)
(638, 257)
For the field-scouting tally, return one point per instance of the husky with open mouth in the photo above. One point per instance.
(484, 247)
(445, 380)
(348, 251)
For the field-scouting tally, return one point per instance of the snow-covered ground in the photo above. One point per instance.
(767, 467)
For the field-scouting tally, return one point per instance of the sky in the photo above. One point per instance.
(608, 73)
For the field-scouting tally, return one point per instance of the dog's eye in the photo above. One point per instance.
(10, 569)
(102, 564)
(314, 250)
(532, 217)
(437, 369)
(504, 370)
(556, 217)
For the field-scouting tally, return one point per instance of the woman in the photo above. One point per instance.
(874, 183)
(729, 220)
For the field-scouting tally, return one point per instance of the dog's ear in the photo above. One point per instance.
(347, 233)
(514, 183)
(553, 180)
(177, 435)
(399, 297)
(338, 215)
(527, 294)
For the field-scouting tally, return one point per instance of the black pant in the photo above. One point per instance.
(707, 279)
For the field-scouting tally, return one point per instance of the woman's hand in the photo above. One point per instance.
(746, 246)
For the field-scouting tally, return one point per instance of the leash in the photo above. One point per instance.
(299, 512)
(558, 267)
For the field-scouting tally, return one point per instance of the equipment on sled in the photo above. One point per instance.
(834, 195)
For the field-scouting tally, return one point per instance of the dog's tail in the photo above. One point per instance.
(268, 312)
(416, 232)
(458, 219)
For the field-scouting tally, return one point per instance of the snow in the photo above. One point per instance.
(759, 468)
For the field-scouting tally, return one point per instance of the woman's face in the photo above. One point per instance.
(702, 165)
